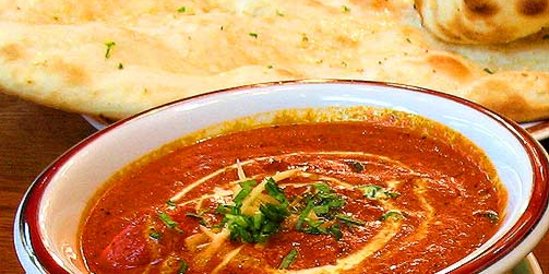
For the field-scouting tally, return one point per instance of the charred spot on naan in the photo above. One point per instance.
(481, 8)
(532, 7)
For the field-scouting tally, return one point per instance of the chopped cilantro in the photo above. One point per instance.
(168, 221)
(183, 267)
(182, 9)
(276, 213)
(487, 70)
(304, 215)
(490, 214)
(289, 259)
(260, 226)
(110, 45)
(326, 205)
(153, 234)
(350, 220)
(247, 187)
(346, 9)
(274, 191)
(200, 218)
(335, 231)
(370, 191)
(253, 34)
(375, 192)
(395, 214)
(279, 13)
(120, 66)
(171, 203)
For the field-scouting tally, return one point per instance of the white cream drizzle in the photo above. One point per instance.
(389, 228)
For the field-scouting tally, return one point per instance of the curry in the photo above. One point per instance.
(377, 195)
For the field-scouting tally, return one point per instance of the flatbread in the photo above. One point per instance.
(483, 21)
(55, 52)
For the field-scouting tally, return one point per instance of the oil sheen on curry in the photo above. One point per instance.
(356, 190)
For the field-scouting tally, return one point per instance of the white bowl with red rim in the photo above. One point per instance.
(47, 221)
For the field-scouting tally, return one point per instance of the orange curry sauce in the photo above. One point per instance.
(447, 203)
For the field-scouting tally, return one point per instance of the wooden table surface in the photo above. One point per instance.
(31, 137)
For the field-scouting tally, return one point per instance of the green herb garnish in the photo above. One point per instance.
(182, 9)
(247, 187)
(279, 13)
(326, 205)
(303, 216)
(370, 191)
(120, 66)
(183, 267)
(200, 218)
(260, 226)
(487, 70)
(335, 231)
(490, 214)
(276, 213)
(171, 203)
(153, 234)
(346, 9)
(168, 221)
(274, 191)
(253, 34)
(350, 220)
(375, 192)
(395, 214)
(110, 45)
(289, 259)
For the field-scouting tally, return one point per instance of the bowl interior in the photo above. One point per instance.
(78, 175)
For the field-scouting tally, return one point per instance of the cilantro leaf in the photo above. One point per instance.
(168, 221)
(350, 220)
(274, 191)
(375, 192)
(110, 45)
(395, 214)
(183, 267)
(247, 187)
(289, 259)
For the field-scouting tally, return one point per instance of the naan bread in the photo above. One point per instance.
(116, 58)
(483, 21)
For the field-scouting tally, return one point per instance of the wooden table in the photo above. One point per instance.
(32, 136)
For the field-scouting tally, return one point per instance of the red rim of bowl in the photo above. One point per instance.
(510, 240)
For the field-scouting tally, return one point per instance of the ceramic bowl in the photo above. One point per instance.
(48, 218)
